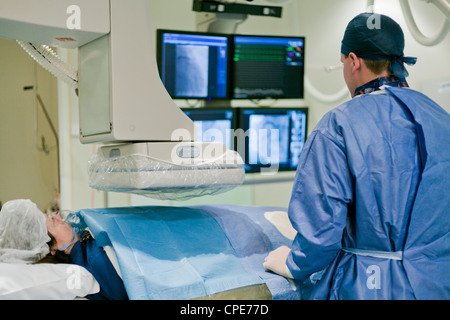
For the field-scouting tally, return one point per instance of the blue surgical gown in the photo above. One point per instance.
(92, 257)
(374, 178)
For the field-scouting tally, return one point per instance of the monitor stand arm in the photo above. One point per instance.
(226, 22)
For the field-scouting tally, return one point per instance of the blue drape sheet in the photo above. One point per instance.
(189, 252)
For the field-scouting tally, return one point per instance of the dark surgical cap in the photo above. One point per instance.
(373, 36)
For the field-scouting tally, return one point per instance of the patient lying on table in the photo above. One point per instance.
(28, 236)
(221, 255)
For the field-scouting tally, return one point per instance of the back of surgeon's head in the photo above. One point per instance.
(379, 41)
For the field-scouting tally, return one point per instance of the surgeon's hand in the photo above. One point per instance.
(276, 262)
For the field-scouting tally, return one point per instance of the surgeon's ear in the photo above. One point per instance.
(355, 62)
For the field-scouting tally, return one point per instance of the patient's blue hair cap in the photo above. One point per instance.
(374, 36)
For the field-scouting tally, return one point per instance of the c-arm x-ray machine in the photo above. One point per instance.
(121, 97)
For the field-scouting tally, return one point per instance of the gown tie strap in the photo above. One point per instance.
(394, 255)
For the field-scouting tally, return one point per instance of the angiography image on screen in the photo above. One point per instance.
(192, 71)
(193, 65)
(214, 131)
(274, 137)
(213, 125)
(268, 139)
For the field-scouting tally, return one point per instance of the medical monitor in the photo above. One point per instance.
(193, 65)
(274, 137)
(213, 124)
(267, 67)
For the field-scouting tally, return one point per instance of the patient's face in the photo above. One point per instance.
(60, 230)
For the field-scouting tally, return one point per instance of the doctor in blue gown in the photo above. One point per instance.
(371, 198)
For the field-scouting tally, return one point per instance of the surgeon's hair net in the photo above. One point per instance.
(373, 36)
(23, 232)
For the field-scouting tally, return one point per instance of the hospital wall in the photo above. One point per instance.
(28, 153)
(322, 22)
